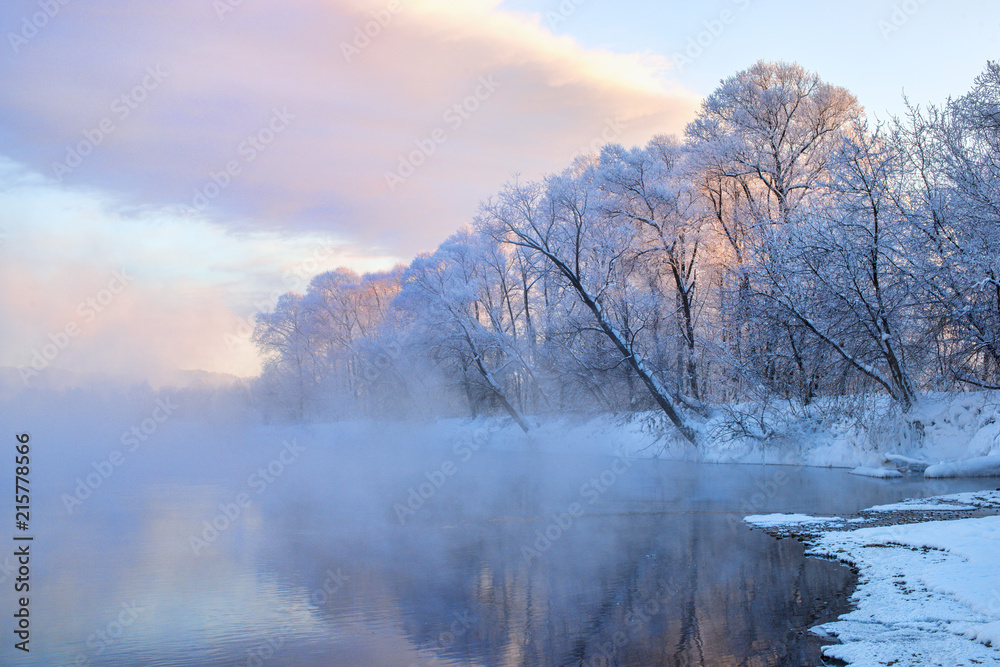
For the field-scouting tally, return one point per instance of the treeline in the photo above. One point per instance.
(786, 248)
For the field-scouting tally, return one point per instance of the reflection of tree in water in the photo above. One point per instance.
(647, 576)
(705, 601)
(668, 589)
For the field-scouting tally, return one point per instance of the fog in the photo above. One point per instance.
(173, 527)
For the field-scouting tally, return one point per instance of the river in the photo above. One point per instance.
(450, 557)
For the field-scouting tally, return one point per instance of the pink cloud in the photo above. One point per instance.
(281, 124)
(199, 88)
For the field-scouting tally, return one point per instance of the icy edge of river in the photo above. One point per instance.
(928, 590)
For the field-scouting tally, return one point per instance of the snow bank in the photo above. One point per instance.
(987, 633)
(883, 473)
(983, 466)
(969, 500)
(910, 506)
(789, 520)
(928, 593)
(951, 503)
(942, 428)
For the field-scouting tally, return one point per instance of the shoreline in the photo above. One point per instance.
(928, 579)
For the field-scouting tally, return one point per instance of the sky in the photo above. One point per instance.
(168, 169)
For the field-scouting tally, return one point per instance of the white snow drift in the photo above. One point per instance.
(928, 593)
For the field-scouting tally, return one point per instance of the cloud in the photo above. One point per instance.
(145, 295)
(213, 152)
(290, 115)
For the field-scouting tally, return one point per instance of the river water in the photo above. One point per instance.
(446, 558)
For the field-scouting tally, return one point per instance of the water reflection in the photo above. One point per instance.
(552, 561)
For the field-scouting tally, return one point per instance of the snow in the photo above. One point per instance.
(970, 500)
(773, 520)
(918, 507)
(883, 473)
(906, 462)
(941, 429)
(982, 466)
(955, 502)
(987, 633)
(985, 499)
(928, 593)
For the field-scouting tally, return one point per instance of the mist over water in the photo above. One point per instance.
(218, 543)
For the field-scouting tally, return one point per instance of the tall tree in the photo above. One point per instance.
(648, 188)
(762, 144)
(840, 268)
(596, 258)
(464, 296)
(286, 339)
(953, 161)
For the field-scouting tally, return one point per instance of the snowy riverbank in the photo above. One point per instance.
(946, 435)
(928, 592)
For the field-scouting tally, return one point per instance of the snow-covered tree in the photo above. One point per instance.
(770, 131)
(839, 268)
(953, 163)
(465, 300)
(598, 257)
(762, 144)
(649, 188)
(783, 249)
(345, 312)
(293, 366)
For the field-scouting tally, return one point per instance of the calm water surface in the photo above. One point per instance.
(511, 559)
